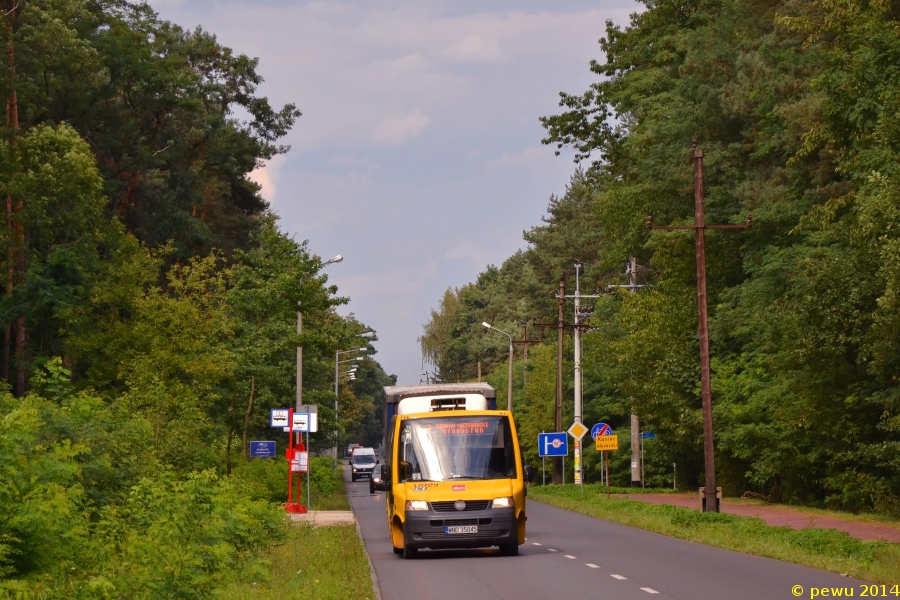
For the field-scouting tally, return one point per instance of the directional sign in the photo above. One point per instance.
(600, 429)
(648, 434)
(605, 443)
(577, 430)
(279, 417)
(301, 422)
(262, 449)
(553, 444)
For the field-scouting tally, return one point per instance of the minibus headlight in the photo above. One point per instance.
(504, 502)
(416, 505)
(354, 470)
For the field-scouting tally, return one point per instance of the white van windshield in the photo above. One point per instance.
(456, 448)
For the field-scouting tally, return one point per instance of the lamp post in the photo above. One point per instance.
(510, 378)
(299, 397)
(337, 363)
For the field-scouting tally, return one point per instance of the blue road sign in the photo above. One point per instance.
(600, 429)
(262, 449)
(553, 444)
(648, 434)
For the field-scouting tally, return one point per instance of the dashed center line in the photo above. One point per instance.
(619, 577)
(552, 550)
(592, 565)
(569, 556)
(535, 544)
(650, 590)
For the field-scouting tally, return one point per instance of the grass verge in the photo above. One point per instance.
(321, 563)
(826, 549)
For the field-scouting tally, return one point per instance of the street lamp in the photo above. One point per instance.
(299, 399)
(509, 384)
(337, 363)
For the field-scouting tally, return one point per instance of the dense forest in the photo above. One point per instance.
(149, 306)
(795, 105)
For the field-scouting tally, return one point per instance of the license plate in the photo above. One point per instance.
(461, 529)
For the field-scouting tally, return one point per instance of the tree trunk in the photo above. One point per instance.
(16, 249)
(247, 418)
(230, 436)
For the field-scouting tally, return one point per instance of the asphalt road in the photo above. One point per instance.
(567, 555)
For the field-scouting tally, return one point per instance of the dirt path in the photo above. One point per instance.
(781, 515)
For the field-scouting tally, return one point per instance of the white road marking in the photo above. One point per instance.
(569, 556)
(619, 577)
(552, 550)
(650, 590)
(592, 565)
(535, 544)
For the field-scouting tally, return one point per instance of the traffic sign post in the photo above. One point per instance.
(645, 435)
(299, 423)
(605, 441)
(578, 431)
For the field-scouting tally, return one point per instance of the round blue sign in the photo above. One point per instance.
(600, 429)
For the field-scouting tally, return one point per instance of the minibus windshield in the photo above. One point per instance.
(442, 449)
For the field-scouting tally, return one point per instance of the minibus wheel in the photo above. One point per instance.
(409, 552)
(509, 549)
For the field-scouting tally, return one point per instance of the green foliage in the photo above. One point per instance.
(803, 308)
(157, 298)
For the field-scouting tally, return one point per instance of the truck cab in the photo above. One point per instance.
(453, 470)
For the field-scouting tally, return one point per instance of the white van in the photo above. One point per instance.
(363, 462)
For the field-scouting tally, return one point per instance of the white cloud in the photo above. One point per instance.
(466, 249)
(475, 49)
(267, 177)
(396, 130)
(528, 157)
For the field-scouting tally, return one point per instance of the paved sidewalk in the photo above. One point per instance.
(777, 514)
(321, 518)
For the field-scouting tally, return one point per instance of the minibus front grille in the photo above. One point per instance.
(448, 506)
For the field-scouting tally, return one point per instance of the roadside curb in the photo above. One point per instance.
(372, 572)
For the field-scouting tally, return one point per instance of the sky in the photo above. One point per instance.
(418, 155)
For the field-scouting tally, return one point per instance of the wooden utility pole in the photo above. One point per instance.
(560, 325)
(700, 228)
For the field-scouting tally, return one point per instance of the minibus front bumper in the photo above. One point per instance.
(428, 528)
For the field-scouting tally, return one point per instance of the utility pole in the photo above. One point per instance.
(299, 399)
(636, 457)
(557, 462)
(700, 228)
(578, 371)
(561, 305)
(560, 328)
